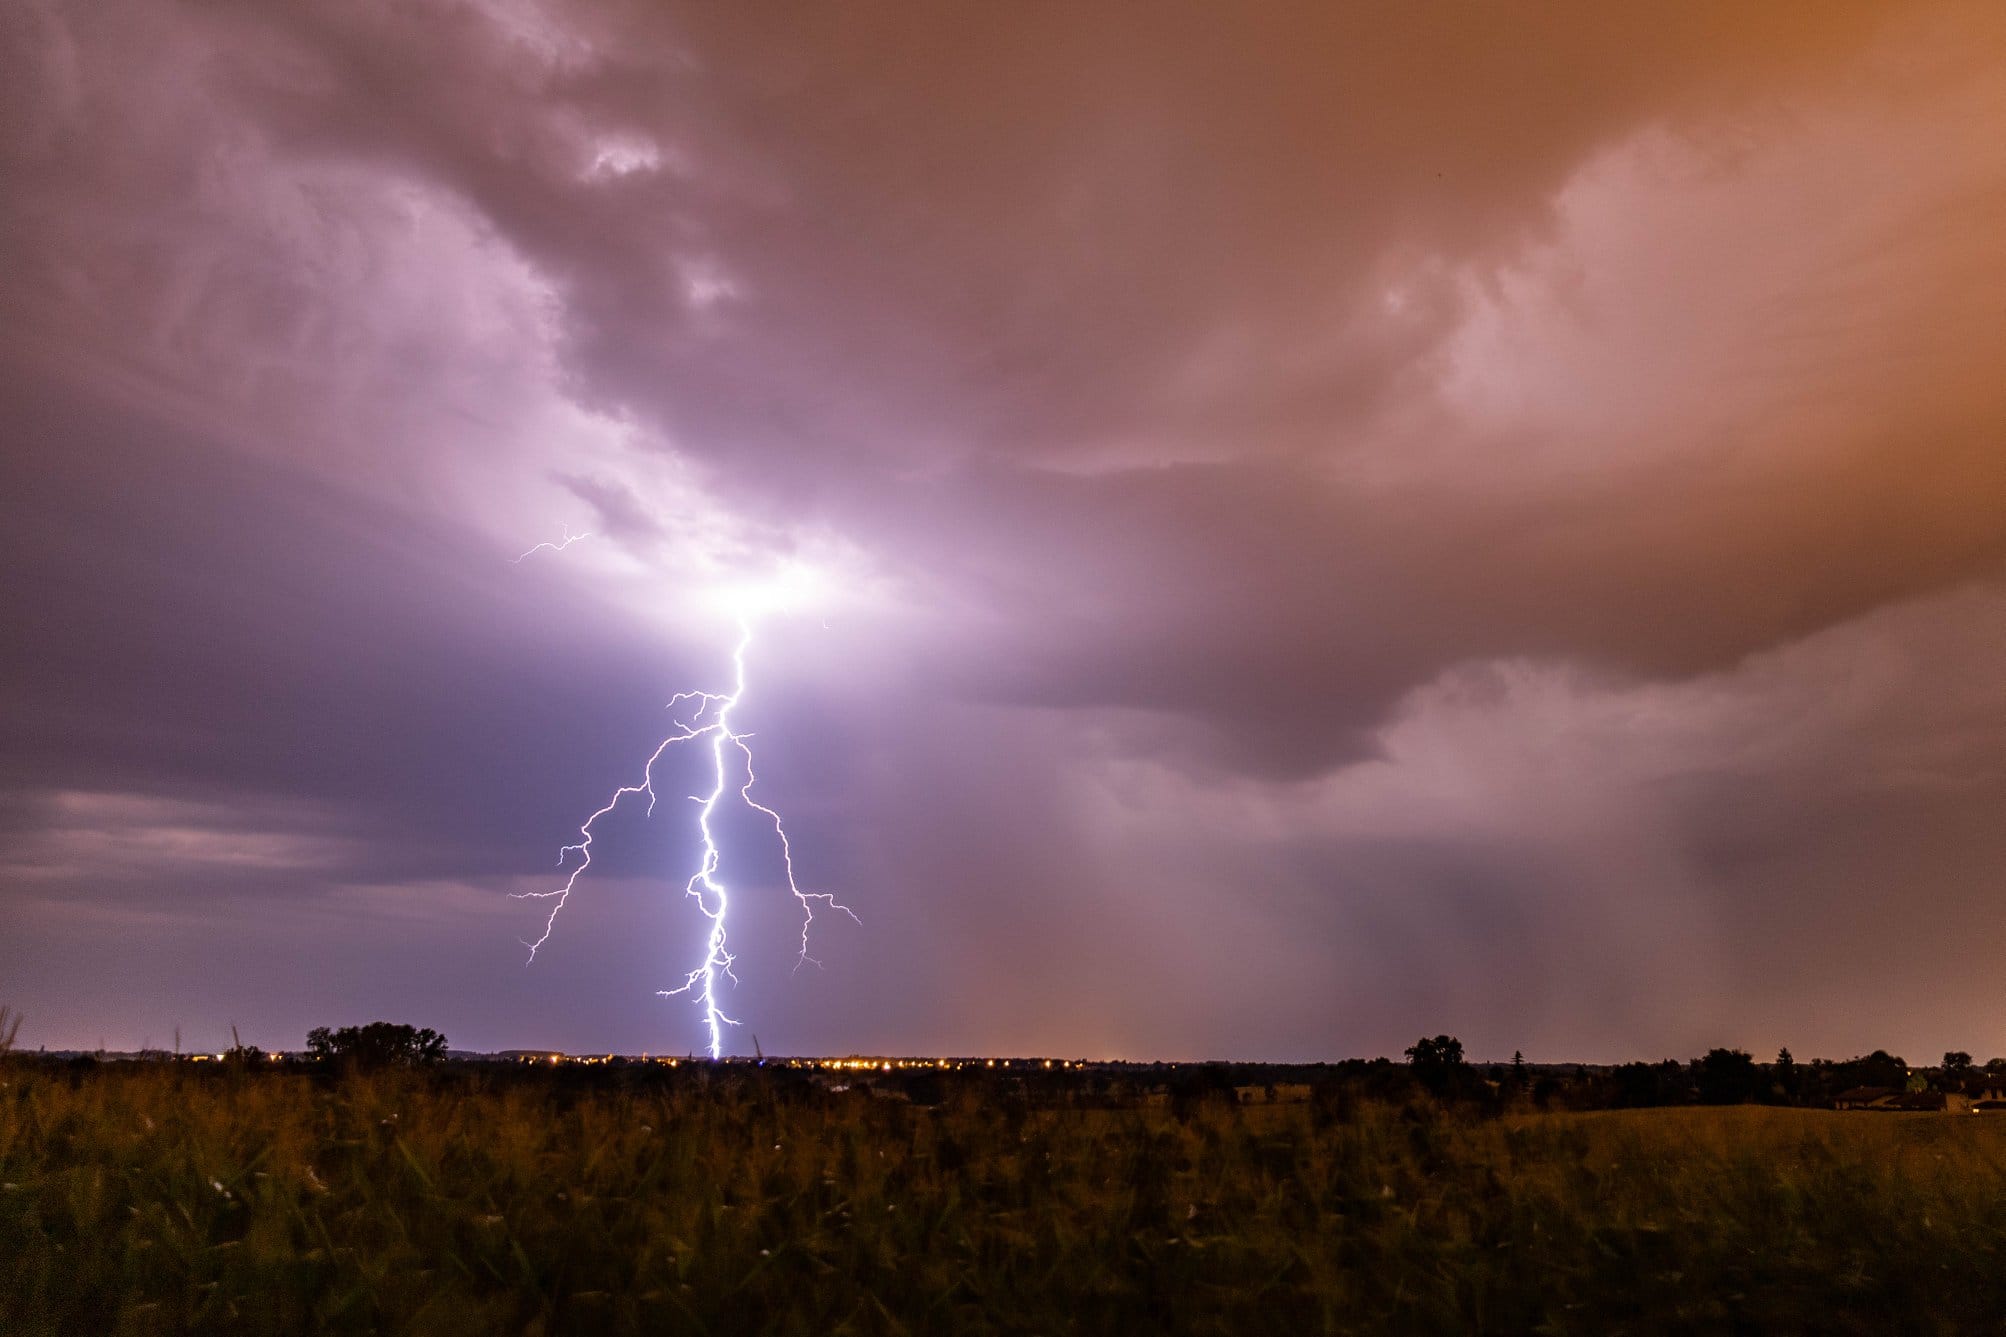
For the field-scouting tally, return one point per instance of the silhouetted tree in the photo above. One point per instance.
(1957, 1064)
(379, 1044)
(1725, 1077)
(1640, 1085)
(1879, 1068)
(1784, 1076)
(1438, 1063)
(1520, 1078)
(1444, 1051)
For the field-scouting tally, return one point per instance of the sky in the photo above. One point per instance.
(1312, 525)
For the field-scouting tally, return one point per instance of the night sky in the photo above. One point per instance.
(1320, 524)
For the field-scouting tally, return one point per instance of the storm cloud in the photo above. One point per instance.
(1344, 524)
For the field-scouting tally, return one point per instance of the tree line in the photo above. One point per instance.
(1718, 1077)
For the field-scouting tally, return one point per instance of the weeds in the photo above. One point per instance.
(163, 1199)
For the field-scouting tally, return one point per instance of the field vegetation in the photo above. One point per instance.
(256, 1197)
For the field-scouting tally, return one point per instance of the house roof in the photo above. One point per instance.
(1919, 1100)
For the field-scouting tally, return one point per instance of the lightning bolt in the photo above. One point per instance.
(707, 716)
(569, 539)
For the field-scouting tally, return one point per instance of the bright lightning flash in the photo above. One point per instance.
(569, 539)
(710, 720)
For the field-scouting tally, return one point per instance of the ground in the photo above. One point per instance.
(157, 1198)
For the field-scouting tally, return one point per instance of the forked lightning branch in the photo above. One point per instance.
(704, 719)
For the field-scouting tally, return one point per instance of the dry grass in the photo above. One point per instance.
(165, 1199)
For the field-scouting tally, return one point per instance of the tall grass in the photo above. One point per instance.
(166, 1199)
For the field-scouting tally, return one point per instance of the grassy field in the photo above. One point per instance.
(159, 1198)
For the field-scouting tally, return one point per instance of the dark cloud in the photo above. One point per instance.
(202, 626)
(621, 513)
